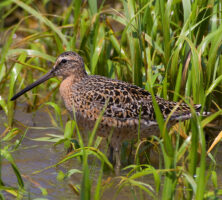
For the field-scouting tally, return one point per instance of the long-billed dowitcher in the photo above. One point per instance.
(126, 103)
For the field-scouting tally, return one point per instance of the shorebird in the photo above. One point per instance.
(127, 107)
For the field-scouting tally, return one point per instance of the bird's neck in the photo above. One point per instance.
(66, 88)
(76, 76)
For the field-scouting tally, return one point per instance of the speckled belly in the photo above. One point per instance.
(118, 134)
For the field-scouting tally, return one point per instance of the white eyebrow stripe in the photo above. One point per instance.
(67, 58)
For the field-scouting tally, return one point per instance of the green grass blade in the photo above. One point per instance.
(14, 74)
(57, 110)
(4, 153)
(201, 181)
(214, 84)
(187, 9)
(68, 133)
(42, 19)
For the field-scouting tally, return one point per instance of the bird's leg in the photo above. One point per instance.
(111, 149)
(130, 153)
(118, 163)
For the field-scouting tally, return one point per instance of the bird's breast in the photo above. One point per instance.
(66, 93)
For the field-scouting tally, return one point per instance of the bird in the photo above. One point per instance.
(126, 107)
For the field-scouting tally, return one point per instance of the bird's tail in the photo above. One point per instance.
(198, 108)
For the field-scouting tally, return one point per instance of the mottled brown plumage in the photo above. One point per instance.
(124, 103)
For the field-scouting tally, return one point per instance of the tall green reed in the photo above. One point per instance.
(170, 48)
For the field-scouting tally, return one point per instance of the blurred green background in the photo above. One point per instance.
(171, 48)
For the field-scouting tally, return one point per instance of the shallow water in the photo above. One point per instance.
(33, 156)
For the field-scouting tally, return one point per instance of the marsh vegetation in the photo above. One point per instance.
(170, 48)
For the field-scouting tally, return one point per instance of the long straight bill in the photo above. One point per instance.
(41, 80)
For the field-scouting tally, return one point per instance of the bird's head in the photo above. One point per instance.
(67, 64)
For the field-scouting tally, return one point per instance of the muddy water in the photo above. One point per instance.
(33, 156)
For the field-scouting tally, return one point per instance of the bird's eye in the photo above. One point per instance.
(63, 61)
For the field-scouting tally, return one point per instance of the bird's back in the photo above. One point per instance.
(125, 104)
